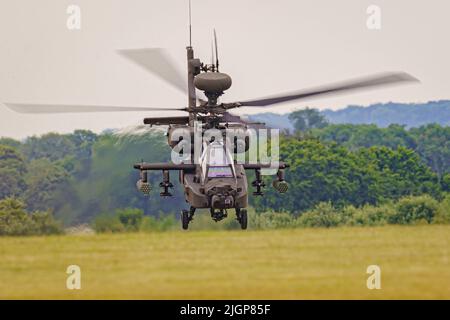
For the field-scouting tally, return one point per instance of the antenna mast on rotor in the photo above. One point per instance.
(212, 57)
(217, 51)
(191, 68)
(190, 24)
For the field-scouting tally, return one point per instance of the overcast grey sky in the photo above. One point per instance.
(266, 46)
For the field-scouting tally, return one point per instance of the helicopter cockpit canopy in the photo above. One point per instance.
(217, 162)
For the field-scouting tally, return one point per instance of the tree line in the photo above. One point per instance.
(83, 175)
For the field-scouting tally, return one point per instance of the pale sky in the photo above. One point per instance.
(267, 47)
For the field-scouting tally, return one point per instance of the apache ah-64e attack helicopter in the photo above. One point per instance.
(215, 180)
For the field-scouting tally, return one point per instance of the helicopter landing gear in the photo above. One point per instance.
(242, 218)
(218, 215)
(186, 217)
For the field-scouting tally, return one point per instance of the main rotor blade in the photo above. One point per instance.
(379, 80)
(158, 62)
(49, 109)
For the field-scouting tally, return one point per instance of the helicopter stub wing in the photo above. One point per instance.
(254, 166)
(164, 166)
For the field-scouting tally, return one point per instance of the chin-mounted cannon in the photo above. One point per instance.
(280, 184)
(142, 184)
(166, 184)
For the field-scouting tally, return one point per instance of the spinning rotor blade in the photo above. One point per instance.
(378, 80)
(48, 109)
(158, 62)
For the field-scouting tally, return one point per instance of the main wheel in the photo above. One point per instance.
(185, 219)
(243, 219)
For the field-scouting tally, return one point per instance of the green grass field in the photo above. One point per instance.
(282, 264)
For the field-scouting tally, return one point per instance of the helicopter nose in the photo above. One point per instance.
(222, 202)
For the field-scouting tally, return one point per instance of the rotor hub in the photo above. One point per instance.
(213, 82)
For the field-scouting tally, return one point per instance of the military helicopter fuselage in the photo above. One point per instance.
(211, 179)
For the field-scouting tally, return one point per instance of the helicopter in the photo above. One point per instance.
(210, 175)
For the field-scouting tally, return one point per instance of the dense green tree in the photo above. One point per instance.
(47, 185)
(111, 180)
(431, 142)
(12, 171)
(307, 119)
(83, 141)
(445, 182)
(399, 172)
(317, 173)
(322, 172)
(433, 146)
(365, 136)
(78, 163)
(16, 221)
(10, 142)
(52, 146)
(82, 174)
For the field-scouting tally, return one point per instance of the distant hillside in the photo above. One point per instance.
(410, 115)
